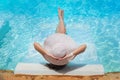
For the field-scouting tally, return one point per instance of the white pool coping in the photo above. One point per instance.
(40, 69)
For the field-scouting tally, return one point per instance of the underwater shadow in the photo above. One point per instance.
(65, 68)
(5, 28)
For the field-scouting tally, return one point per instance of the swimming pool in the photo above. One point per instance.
(93, 21)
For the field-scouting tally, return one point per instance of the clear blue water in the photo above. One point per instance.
(93, 21)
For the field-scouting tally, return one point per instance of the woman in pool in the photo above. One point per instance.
(59, 48)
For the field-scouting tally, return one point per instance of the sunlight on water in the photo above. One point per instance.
(24, 21)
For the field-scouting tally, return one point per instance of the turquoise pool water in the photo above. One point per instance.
(87, 21)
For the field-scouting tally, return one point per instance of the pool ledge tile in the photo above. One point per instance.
(40, 69)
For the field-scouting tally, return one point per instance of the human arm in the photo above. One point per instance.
(76, 52)
(39, 48)
(42, 51)
(79, 50)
